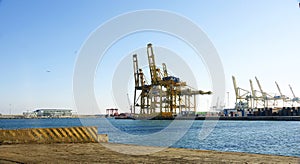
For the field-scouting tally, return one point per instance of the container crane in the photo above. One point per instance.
(265, 97)
(240, 93)
(237, 90)
(242, 96)
(165, 91)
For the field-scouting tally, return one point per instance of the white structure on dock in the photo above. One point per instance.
(41, 113)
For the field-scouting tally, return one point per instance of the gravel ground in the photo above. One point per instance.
(99, 153)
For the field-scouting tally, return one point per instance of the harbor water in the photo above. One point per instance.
(262, 137)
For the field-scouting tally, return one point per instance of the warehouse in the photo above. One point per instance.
(53, 112)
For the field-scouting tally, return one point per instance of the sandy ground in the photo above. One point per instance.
(97, 153)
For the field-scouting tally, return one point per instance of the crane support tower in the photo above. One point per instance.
(255, 99)
(165, 96)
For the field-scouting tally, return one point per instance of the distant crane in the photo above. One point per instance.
(295, 99)
(241, 95)
(254, 96)
(130, 106)
(283, 97)
(265, 97)
(239, 91)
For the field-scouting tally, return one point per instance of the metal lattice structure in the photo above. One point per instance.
(166, 96)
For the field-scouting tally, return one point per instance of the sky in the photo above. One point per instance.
(40, 41)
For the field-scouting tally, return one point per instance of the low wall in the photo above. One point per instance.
(253, 118)
(52, 135)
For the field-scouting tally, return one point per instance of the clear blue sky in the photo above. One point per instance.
(253, 38)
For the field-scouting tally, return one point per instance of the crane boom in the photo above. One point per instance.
(152, 66)
(165, 70)
(235, 87)
(260, 88)
(135, 70)
(292, 91)
(279, 89)
(252, 89)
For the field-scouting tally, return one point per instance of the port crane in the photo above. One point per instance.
(166, 95)
(242, 96)
(255, 99)
(265, 96)
(295, 99)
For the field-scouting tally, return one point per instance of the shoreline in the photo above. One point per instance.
(99, 153)
(247, 118)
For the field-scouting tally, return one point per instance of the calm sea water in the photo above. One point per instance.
(263, 137)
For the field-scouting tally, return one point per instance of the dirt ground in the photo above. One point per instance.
(97, 153)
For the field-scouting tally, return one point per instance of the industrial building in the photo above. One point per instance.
(53, 112)
(48, 113)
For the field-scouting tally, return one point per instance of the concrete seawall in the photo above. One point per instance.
(52, 135)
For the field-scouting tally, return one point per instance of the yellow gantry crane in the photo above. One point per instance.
(166, 95)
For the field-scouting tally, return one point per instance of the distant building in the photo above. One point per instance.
(29, 114)
(53, 112)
